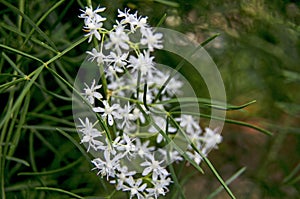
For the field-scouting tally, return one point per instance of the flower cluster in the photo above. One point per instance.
(130, 108)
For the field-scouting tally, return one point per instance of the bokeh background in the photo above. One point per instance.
(257, 52)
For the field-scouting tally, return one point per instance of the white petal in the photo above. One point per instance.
(110, 120)
(146, 171)
(98, 109)
(97, 95)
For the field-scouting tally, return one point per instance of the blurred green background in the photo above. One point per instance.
(257, 52)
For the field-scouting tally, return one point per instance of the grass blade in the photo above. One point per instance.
(42, 19)
(168, 3)
(18, 160)
(232, 178)
(59, 190)
(20, 53)
(27, 19)
(55, 171)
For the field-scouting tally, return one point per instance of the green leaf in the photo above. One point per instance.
(41, 19)
(290, 108)
(22, 95)
(231, 179)
(18, 160)
(55, 171)
(175, 180)
(27, 19)
(22, 121)
(168, 3)
(231, 121)
(204, 102)
(292, 178)
(59, 190)
(20, 53)
(17, 31)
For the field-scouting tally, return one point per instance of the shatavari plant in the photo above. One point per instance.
(137, 117)
(138, 120)
(133, 108)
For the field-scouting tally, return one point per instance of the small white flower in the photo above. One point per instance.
(130, 19)
(196, 138)
(92, 21)
(108, 111)
(161, 122)
(93, 29)
(108, 147)
(122, 177)
(136, 188)
(160, 187)
(211, 139)
(143, 149)
(195, 156)
(154, 167)
(127, 117)
(89, 134)
(90, 92)
(133, 20)
(174, 85)
(139, 114)
(143, 63)
(117, 61)
(90, 13)
(173, 155)
(118, 39)
(100, 58)
(189, 123)
(108, 166)
(115, 83)
(151, 39)
(126, 145)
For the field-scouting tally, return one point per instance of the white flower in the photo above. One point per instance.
(108, 166)
(115, 84)
(211, 139)
(118, 61)
(139, 114)
(143, 149)
(122, 177)
(143, 62)
(108, 111)
(151, 39)
(90, 92)
(161, 122)
(174, 85)
(195, 156)
(89, 13)
(100, 58)
(127, 117)
(92, 22)
(189, 123)
(136, 188)
(196, 139)
(92, 29)
(132, 19)
(118, 39)
(108, 147)
(160, 187)
(149, 95)
(171, 156)
(154, 167)
(89, 134)
(126, 145)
